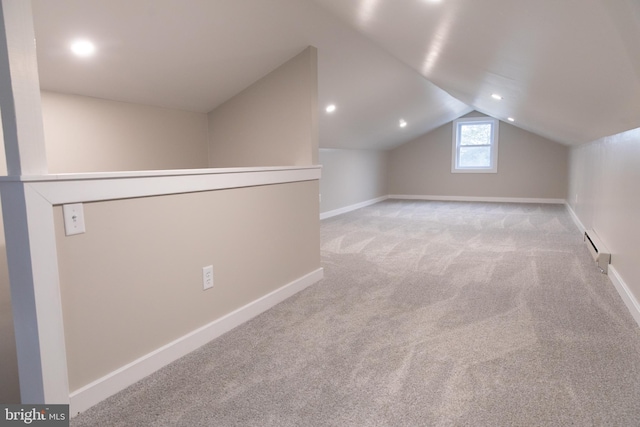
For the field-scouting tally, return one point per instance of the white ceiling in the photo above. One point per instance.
(568, 70)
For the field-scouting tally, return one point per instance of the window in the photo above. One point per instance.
(475, 145)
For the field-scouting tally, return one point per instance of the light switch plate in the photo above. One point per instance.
(73, 219)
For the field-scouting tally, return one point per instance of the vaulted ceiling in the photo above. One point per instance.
(568, 70)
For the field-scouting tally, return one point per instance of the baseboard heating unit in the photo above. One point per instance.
(598, 251)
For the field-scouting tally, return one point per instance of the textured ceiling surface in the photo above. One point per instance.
(568, 70)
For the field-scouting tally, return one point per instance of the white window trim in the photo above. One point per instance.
(494, 145)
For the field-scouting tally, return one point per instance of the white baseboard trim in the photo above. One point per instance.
(340, 211)
(623, 290)
(87, 396)
(335, 212)
(477, 199)
(629, 300)
(575, 219)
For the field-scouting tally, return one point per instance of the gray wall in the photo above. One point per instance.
(9, 387)
(133, 282)
(271, 123)
(529, 166)
(604, 192)
(229, 229)
(156, 289)
(351, 176)
(85, 134)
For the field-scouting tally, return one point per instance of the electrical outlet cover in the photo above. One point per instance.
(207, 277)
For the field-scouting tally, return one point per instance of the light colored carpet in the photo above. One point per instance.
(430, 314)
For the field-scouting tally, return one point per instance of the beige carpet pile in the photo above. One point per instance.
(430, 314)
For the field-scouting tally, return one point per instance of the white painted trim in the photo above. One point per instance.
(20, 99)
(495, 138)
(80, 188)
(36, 292)
(95, 392)
(575, 219)
(149, 173)
(48, 299)
(28, 217)
(478, 199)
(340, 211)
(623, 290)
(625, 293)
(35, 296)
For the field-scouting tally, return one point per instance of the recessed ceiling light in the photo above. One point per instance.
(330, 108)
(403, 123)
(496, 96)
(83, 48)
(511, 119)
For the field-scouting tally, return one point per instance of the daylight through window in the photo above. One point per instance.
(475, 145)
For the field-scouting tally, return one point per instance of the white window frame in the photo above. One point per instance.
(455, 158)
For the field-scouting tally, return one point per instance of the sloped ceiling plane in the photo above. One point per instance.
(566, 70)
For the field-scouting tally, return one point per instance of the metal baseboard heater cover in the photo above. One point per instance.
(598, 250)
